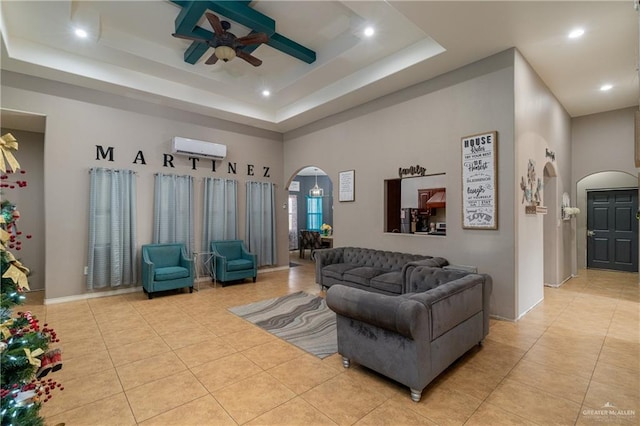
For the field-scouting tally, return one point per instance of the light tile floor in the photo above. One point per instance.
(183, 359)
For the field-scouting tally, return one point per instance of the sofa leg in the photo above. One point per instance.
(149, 295)
(190, 289)
(481, 342)
(346, 363)
(254, 279)
(416, 395)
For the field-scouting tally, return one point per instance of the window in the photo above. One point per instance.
(314, 213)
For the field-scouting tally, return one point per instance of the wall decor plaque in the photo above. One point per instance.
(347, 182)
(479, 181)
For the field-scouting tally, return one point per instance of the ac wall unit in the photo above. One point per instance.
(196, 148)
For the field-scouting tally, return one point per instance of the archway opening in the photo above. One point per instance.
(310, 209)
(605, 180)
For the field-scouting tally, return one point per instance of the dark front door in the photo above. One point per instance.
(612, 230)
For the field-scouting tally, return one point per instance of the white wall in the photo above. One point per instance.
(422, 125)
(79, 119)
(540, 123)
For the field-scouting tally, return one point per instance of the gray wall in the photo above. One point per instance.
(78, 119)
(541, 123)
(422, 125)
(29, 201)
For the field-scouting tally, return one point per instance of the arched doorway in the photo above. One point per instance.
(600, 184)
(310, 205)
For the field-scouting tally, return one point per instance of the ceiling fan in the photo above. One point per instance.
(227, 46)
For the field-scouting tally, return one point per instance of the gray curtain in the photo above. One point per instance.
(173, 210)
(261, 222)
(111, 253)
(220, 216)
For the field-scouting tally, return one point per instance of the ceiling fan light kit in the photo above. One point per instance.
(225, 53)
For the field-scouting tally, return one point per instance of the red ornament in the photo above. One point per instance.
(29, 236)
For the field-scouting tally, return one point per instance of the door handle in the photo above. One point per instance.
(590, 233)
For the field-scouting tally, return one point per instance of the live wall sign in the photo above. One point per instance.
(479, 181)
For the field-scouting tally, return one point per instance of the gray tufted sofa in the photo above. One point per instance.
(413, 337)
(378, 271)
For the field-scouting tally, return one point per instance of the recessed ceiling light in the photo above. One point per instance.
(266, 93)
(577, 33)
(369, 31)
(81, 33)
(606, 87)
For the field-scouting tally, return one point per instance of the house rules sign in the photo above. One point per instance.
(479, 182)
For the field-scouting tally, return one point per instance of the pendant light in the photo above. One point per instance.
(316, 191)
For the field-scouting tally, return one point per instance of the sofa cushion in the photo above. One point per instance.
(239, 265)
(336, 270)
(362, 275)
(171, 273)
(390, 282)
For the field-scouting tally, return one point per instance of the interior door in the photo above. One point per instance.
(612, 230)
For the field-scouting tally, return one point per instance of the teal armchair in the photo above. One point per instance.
(166, 267)
(231, 261)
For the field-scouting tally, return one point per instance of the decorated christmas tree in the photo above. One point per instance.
(25, 356)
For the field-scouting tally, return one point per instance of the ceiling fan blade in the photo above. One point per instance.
(192, 38)
(255, 38)
(215, 23)
(212, 59)
(247, 57)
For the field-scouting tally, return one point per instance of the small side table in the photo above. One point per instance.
(207, 258)
(327, 241)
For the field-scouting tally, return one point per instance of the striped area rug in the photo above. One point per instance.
(299, 318)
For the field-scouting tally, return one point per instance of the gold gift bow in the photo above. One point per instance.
(31, 356)
(4, 328)
(17, 272)
(7, 144)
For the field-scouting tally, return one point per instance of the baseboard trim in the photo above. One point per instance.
(128, 290)
(87, 296)
(560, 284)
(527, 311)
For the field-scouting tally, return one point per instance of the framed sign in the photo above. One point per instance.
(479, 181)
(346, 182)
(294, 186)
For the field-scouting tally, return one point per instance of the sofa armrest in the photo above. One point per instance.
(393, 313)
(324, 257)
(186, 262)
(147, 271)
(456, 301)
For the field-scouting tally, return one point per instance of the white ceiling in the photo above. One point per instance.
(130, 51)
